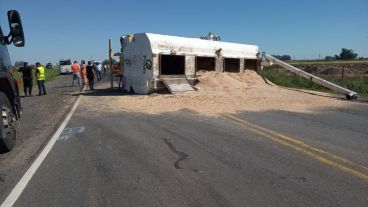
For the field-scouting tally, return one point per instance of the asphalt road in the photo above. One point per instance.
(273, 158)
(40, 116)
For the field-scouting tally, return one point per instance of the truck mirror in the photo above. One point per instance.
(16, 28)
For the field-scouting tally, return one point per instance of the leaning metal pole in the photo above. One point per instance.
(272, 60)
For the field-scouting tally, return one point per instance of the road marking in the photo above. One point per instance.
(69, 132)
(21, 185)
(302, 147)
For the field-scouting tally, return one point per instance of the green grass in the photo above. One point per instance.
(359, 85)
(51, 74)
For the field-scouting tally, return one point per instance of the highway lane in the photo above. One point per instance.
(40, 117)
(187, 159)
(340, 131)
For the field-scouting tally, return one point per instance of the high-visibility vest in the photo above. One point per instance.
(41, 73)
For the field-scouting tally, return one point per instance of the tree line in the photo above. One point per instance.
(282, 57)
(345, 54)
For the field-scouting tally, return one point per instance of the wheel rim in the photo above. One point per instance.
(8, 120)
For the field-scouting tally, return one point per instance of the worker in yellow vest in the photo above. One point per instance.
(40, 74)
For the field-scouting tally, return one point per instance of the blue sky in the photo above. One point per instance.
(80, 29)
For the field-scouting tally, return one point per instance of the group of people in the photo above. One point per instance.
(27, 74)
(84, 74)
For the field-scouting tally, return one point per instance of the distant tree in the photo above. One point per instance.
(286, 57)
(282, 57)
(277, 56)
(347, 54)
(329, 58)
(18, 63)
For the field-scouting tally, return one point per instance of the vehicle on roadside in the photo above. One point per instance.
(10, 105)
(65, 66)
(49, 66)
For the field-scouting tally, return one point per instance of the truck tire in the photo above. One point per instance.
(8, 131)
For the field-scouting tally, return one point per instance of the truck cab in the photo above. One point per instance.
(10, 105)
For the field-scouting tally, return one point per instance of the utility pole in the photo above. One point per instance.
(110, 65)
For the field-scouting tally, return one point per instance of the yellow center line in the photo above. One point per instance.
(301, 147)
(295, 141)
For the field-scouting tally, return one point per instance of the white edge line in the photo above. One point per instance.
(21, 185)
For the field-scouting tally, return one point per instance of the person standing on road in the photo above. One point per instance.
(40, 74)
(98, 68)
(83, 72)
(90, 75)
(76, 71)
(118, 75)
(27, 79)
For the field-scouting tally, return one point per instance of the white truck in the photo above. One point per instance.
(65, 66)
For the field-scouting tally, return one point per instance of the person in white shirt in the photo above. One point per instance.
(98, 68)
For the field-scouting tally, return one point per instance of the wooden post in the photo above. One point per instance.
(342, 75)
(317, 71)
(110, 66)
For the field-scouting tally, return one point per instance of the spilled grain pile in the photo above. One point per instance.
(229, 81)
(220, 93)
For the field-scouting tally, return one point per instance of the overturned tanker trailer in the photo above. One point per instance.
(151, 62)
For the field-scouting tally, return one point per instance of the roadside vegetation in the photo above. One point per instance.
(345, 69)
(52, 74)
(284, 78)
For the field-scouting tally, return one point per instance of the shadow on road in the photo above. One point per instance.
(104, 92)
(315, 94)
(334, 96)
(118, 92)
(64, 87)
